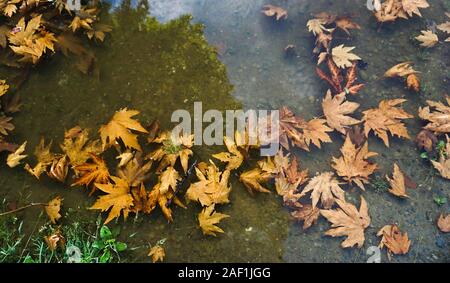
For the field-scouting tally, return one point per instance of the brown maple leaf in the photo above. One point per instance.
(336, 110)
(426, 140)
(398, 183)
(353, 165)
(443, 165)
(401, 70)
(348, 221)
(394, 240)
(52, 209)
(278, 12)
(308, 214)
(386, 118)
(324, 187)
(438, 116)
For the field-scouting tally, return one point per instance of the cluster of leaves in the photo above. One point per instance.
(34, 29)
(391, 10)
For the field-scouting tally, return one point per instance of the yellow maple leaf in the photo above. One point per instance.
(44, 157)
(118, 198)
(78, 147)
(52, 209)
(120, 127)
(14, 158)
(212, 187)
(157, 253)
(233, 157)
(96, 172)
(208, 218)
(3, 87)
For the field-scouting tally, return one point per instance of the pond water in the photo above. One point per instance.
(157, 68)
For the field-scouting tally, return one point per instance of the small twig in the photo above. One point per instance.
(23, 207)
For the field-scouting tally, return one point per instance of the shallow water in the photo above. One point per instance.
(170, 67)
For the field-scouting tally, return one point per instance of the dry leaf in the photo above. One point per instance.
(353, 165)
(120, 127)
(52, 209)
(78, 147)
(343, 57)
(401, 70)
(5, 125)
(212, 187)
(3, 87)
(316, 26)
(324, 187)
(395, 241)
(412, 6)
(278, 12)
(426, 140)
(90, 173)
(157, 253)
(55, 240)
(14, 158)
(118, 198)
(413, 82)
(345, 23)
(428, 38)
(44, 157)
(233, 157)
(443, 223)
(397, 183)
(59, 169)
(134, 170)
(438, 116)
(386, 118)
(308, 214)
(208, 218)
(348, 221)
(335, 110)
(443, 166)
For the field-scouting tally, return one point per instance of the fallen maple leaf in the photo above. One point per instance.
(118, 198)
(157, 253)
(308, 214)
(14, 158)
(212, 187)
(413, 82)
(426, 140)
(443, 166)
(3, 87)
(401, 70)
(335, 110)
(438, 116)
(120, 127)
(346, 23)
(96, 172)
(395, 241)
(5, 125)
(348, 221)
(253, 178)
(78, 147)
(52, 209)
(428, 38)
(134, 170)
(278, 12)
(353, 165)
(316, 26)
(343, 57)
(397, 183)
(233, 157)
(44, 157)
(171, 148)
(412, 6)
(208, 218)
(324, 187)
(386, 118)
(443, 223)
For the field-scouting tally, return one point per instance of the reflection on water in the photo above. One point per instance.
(157, 68)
